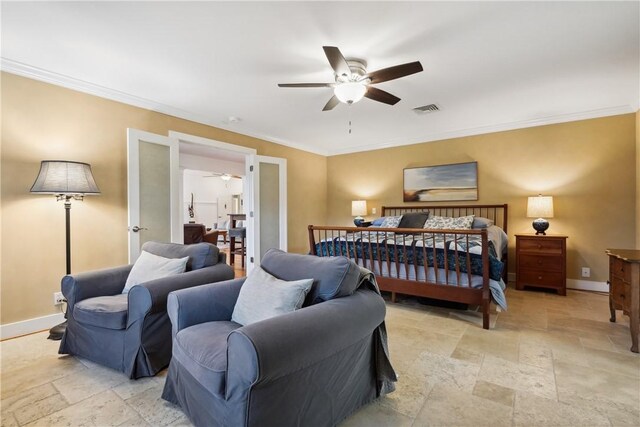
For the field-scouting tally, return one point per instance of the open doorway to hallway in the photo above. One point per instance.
(212, 189)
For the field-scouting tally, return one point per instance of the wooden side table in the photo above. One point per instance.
(541, 261)
(624, 288)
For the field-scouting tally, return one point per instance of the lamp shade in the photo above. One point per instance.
(358, 207)
(540, 207)
(350, 92)
(64, 177)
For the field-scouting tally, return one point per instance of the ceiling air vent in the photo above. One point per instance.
(426, 109)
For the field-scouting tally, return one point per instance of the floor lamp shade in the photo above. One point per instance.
(64, 177)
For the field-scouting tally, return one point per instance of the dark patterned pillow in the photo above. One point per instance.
(413, 220)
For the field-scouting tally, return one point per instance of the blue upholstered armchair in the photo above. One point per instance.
(311, 367)
(132, 332)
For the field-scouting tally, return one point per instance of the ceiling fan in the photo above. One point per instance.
(222, 176)
(354, 82)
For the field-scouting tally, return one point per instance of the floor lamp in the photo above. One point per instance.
(67, 181)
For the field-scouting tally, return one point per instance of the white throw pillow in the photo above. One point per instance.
(263, 296)
(149, 267)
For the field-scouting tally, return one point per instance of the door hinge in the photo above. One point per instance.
(251, 259)
(251, 168)
(251, 214)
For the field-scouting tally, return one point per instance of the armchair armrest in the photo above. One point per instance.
(109, 281)
(284, 344)
(151, 297)
(206, 303)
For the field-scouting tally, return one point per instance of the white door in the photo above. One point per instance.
(267, 206)
(153, 179)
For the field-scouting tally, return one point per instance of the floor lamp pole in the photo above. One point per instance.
(67, 208)
(57, 331)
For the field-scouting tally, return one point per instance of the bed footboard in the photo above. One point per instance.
(451, 265)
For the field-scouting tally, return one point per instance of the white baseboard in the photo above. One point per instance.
(12, 330)
(587, 285)
(580, 285)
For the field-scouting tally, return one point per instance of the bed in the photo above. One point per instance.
(459, 265)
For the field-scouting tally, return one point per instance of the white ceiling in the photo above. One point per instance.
(488, 65)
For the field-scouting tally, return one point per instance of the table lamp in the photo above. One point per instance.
(358, 208)
(540, 207)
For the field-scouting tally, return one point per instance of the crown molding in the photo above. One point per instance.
(542, 121)
(68, 82)
(72, 83)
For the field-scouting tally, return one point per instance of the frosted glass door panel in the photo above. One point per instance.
(155, 202)
(269, 207)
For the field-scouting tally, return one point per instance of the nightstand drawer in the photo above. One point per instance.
(620, 292)
(620, 269)
(549, 246)
(540, 278)
(541, 262)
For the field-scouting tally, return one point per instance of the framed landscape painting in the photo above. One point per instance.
(441, 183)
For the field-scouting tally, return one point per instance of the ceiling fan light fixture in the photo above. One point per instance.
(350, 92)
(225, 177)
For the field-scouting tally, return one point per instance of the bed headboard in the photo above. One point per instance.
(496, 213)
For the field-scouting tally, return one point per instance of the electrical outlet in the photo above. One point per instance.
(373, 211)
(586, 272)
(58, 298)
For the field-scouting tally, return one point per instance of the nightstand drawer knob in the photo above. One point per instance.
(540, 261)
(539, 277)
(539, 246)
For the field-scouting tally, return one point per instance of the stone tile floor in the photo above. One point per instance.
(548, 361)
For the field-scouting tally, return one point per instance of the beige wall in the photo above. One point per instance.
(588, 166)
(42, 121)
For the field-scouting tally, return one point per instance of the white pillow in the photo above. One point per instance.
(263, 296)
(149, 267)
(448, 223)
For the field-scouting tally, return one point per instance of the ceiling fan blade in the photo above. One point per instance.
(306, 84)
(331, 104)
(381, 96)
(337, 61)
(395, 72)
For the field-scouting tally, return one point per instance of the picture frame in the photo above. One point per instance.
(441, 183)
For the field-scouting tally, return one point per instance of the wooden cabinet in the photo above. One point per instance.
(541, 261)
(624, 288)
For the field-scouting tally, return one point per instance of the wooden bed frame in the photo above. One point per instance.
(445, 285)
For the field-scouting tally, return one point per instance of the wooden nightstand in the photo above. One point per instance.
(541, 261)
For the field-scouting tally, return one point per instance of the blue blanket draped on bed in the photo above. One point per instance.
(415, 254)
